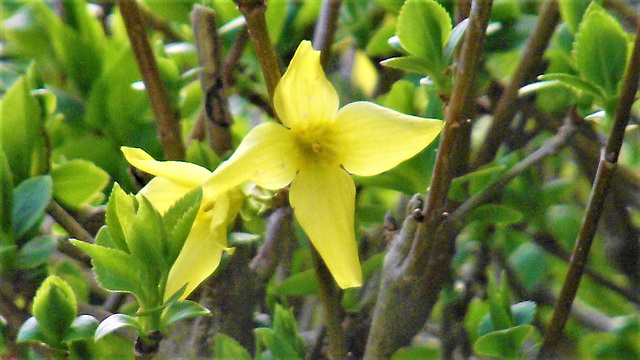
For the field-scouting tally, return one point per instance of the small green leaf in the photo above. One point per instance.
(504, 343)
(227, 348)
(76, 182)
(378, 44)
(30, 199)
(400, 97)
(572, 12)
(54, 306)
(115, 322)
(505, 11)
(575, 83)
(181, 310)
(115, 269)
(36, 252)
(83, 327)
(147, 237)
(300, 284)
(496, 214)
(529, 262)
(6, 195)
(121, 210)
(523, 312)
(456, 35)
(20, 126)
(601, 49)
(412, 64)
(417, 352)
(500, 316)
(285, 325)
(30, 331)
(280, 348)
(178, 221)
(423, 28)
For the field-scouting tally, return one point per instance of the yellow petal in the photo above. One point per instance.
(323, 198)
(304, 97)
(268, 156)
(178, 171)
(199, 257)
(364, 73)
(369, 139)
(163, 193)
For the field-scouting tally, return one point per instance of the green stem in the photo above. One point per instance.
(330, 297)
(605, 172)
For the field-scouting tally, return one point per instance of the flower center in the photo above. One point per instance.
(316, 147)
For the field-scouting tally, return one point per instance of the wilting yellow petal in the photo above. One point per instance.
(304, 97)
(268, 156)
(163, 193)
(369, 139)
(323, 198)
(199, 257)
(178, 171)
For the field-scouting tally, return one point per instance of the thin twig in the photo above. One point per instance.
(215, 114)
(253, 11)
(506, 107)
(234, 56)
(330, 297)
(62, 217)
(325, 28)
(161, 24)
(606, 170)
(165, 114)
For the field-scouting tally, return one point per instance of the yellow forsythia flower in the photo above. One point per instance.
(202, 250)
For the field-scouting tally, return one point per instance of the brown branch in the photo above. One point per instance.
(231, 62)
(455, 118)
(253, 11)
(62, 217)
(215, 114)
(325, 28)
(606, 169)
(409, 288)
(165, 114)
(531, 57)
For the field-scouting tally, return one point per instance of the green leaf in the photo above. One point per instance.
(115, 269)
(178, 221)
(83, 327)
(500, 316)
(54, 306)
(456, 35)
(496, 214)
(115, 322)
(121, 210)
(423, 28)
(400, 97)
(504, 343)
(36, 252)
(529, 262)
(601, 49)
(76, 182)
(6, 196)
(275, 17)
(523, 312)
(378, 44)
(575, 83)
(227, 348)
(181, 310)
(300, 284)
(20, 128)
(147, 237)
(285, 325)
(572, 12)
(483, 176)
(30, 199)
(417, 352)
(505, 11)
(412, 64)
(280, 348)
(30, 331)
